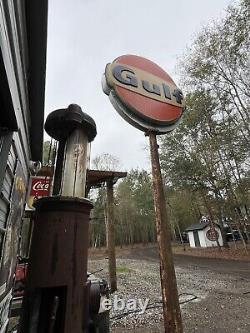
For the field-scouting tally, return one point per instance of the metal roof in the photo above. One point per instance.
(198, 226)
(97, 178)
(36, 18)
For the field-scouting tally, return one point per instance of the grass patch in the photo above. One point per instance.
(123, 269)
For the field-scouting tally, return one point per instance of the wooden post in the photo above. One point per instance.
(111, 237)
(171, 307)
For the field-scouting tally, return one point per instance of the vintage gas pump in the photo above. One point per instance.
(57, 290)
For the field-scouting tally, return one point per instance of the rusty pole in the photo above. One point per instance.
(110, 236)
(171, 306)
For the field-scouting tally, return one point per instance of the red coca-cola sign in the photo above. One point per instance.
(40, 186)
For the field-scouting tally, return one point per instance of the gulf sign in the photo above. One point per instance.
(143, 94)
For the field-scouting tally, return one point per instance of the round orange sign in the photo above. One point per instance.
(143, 93)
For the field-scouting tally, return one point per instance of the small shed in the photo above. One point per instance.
(202, 234)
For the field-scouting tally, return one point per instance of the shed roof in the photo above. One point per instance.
(199, 226)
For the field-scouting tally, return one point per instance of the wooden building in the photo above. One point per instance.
(23, 40)
(202, 234)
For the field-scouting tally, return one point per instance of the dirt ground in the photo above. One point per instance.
(221, 289)
(237, 253)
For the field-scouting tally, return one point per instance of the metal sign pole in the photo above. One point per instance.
(147, 98)
(111, 236)
(170, 299)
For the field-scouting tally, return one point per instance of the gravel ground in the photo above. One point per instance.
(215, 303)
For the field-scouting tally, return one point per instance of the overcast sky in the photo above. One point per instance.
(85, 35)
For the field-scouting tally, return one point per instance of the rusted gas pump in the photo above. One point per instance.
(56, 297)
